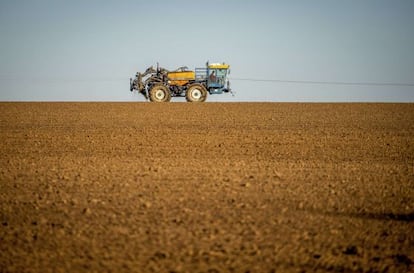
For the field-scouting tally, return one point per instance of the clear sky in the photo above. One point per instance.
(86, 50)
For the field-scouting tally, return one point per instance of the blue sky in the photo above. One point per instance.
(87, 50)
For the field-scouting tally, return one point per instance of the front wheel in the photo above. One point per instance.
(159, 93)
(196, 93)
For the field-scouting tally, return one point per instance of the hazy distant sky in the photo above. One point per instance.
(87, 50)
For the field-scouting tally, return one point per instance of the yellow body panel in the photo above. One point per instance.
(219, 66)
(180, 78)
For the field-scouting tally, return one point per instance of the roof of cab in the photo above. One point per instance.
(219, 66)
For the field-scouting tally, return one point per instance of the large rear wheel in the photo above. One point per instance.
(159, 93)
(196, 93)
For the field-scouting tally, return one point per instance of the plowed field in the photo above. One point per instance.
(213, 187)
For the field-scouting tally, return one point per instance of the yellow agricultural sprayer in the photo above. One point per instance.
(159, 85)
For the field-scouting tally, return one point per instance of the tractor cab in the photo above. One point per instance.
(217, 78)
(214, 77)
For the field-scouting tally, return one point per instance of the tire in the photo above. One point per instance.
(196, 93)
(159, 93)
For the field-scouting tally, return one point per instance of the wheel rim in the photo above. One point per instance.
(159, 94)
(196, 94)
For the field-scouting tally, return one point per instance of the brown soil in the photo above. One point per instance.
(213, 187)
